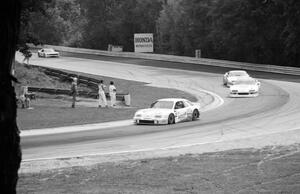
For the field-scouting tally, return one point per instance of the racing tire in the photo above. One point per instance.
(171, 119)
(195, 115)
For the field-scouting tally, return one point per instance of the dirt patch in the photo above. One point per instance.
(267, 170)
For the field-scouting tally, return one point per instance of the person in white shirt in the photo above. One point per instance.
(112, 94)
(101, 92)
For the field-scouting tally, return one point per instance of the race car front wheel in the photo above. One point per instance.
(195, 114)
(171, 119)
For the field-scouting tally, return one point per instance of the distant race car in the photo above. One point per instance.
(245, 88)
(47, 52)
(168, 111)
(231, 77)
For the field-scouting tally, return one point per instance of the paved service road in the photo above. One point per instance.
(275, 111)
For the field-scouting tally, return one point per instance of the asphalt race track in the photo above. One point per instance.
(225, 121)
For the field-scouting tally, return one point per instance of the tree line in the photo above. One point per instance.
(258, 31)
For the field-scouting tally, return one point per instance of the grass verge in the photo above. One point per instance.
(267, 170)
(55, 111)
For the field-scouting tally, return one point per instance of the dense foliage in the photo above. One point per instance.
(118, 21)
(259, 31)
(51, 21)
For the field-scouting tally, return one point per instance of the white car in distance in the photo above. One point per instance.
(47, 52)
(231, 77)
(168, 111)
(245, 88)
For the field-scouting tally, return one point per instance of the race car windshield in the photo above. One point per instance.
(48, 50)
(245, 82)
(162, 104)
(238, 73)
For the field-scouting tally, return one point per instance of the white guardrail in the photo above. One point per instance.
(181, 59)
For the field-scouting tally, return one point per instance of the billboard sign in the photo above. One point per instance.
(143, 43)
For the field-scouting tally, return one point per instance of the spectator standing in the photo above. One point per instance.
(74, 91)
(27, 54)
(101, 94)
(112, 94)
(24, 97)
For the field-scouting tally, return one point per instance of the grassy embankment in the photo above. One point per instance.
(54, 110)
(268, 170)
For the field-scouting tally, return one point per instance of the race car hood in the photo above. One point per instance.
(151, 112)
(52, 52)
(235, 78)
(244, 87)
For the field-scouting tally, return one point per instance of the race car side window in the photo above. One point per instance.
(186, 104)
(179, 105)
(152, 104)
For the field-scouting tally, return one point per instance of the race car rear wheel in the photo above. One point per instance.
(171, 119)
(195, 114)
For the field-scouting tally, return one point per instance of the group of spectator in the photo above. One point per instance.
(102, 97)
(102, 101)
(24, 98)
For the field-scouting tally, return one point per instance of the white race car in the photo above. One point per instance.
(47, 52)
(245, 88)
(231, 77)
(168, 111)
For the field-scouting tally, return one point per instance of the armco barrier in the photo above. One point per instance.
(120, 96)
(92, 83)
(182, 59)
(89, 82)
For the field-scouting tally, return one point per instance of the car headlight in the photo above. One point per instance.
(252, 91)
(138, 115)
(158, 116)
(234, 91)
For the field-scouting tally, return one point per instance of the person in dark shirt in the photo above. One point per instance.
(74, 91)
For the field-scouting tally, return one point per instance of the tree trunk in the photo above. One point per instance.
(10, 151)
